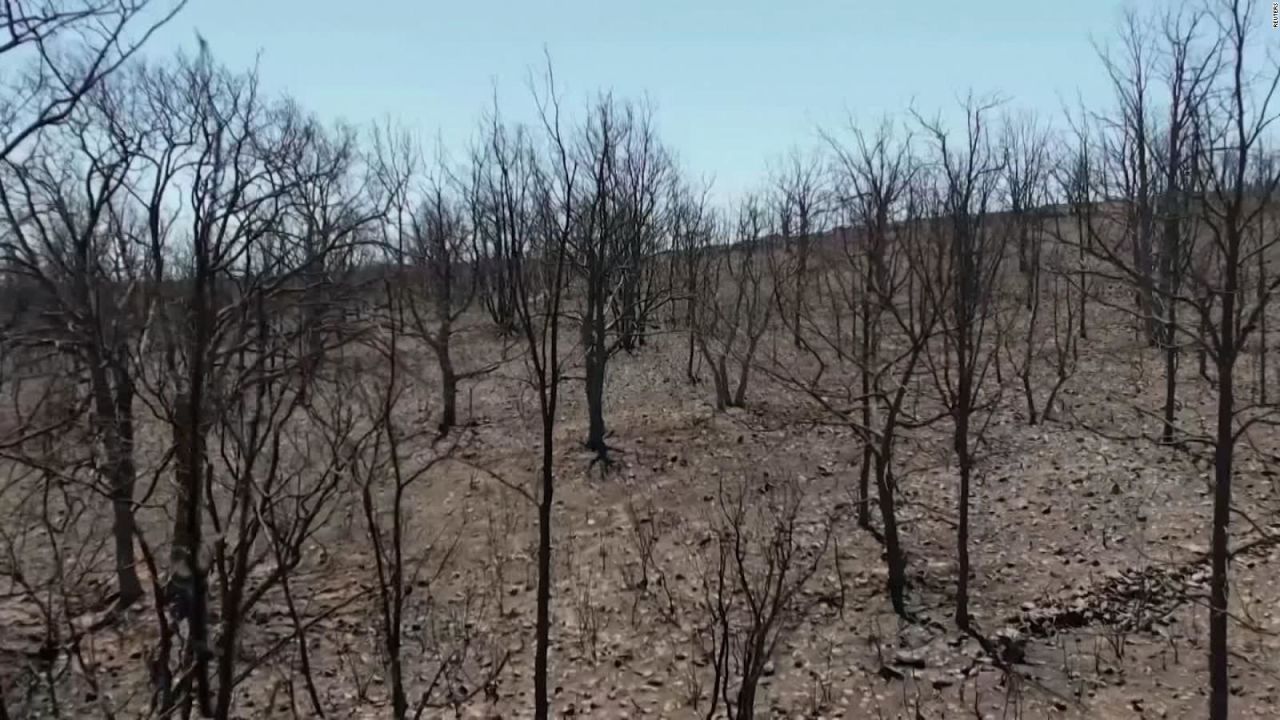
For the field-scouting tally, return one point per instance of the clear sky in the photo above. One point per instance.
(735, 82)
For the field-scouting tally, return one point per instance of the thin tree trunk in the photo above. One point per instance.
(691, 319)
(1169, 286)
(895, 558)
(541, 702)
(594, 340)
(1219, 680)
(1262, 316)
(124, 528)
(864, 486)
(802, 272)
(740, 395)
(746, 709)
(448, 387)
(721, 372)
(867, 347)
(1081, 228)
(187, 584)
(892, 544)
(1028, 357)
(688, 371)
(962, 530)
(595, 406)
(115, 419)
(1170, 382)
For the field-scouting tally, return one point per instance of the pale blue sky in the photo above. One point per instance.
(735, 82)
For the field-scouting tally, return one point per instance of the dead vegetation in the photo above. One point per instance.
(292, 423)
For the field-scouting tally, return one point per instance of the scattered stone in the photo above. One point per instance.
(888, 673)
(909, 658)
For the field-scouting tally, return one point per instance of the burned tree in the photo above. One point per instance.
(1026, 171)
(330, 214)
(880, 191)
(1232, 212)
(1079, 190)
(542, 271)
(692, 235)
(1026, 165)
(230, 372)
(801, 207)
(1188, 79)
(386, 461)
(644, 176)
(960, 278)
(735, 305)
(55, 53)
(1130, 150)
(763, 555)
(1221, 191)
(428, 240)
(623, 179)
(498, 190)
(1028, 345)
(71, 240)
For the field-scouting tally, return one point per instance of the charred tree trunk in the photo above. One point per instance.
(113, 416)
(895, 559)
(448, 389)
(597, 355)
(868, 448)
(1169, 341)
(629, 333)
(1028, 355)
(188, 592)
(595, 407)
(691, 314)
(123, 479)
(965, 461)
(1223, 459)
(541, 701)
(864, 486)
(802, 276)
(1262, 316)
(720, 372)
(1219, 678)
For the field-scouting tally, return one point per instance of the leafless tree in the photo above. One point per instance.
(880, 190)
(1188, 79)
(1231, 214)
(1028, 347)
(428, 239)
(645, 177)
(962, 278)
(68, 240)
(54, 52)
(625, 169)
(1027, 190)
(1079, 190)
(1026, 166)
(329, 215)
(49, 550)
(387, 462)
(735, 305)
(1222, 287)
(543, 264)
(692, 235)
(762, 556)
(801, 211)
(1130, 151)
(230, 371)
(499, 188)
